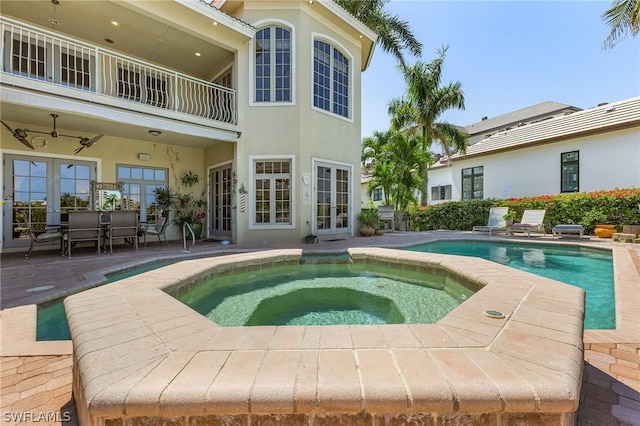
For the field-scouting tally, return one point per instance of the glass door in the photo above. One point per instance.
(41, 191)
(333, 195)
(220, 187)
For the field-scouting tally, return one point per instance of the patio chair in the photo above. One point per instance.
(47, 236)
(122, 224)
(496, 221)
(84, 225)
(531, 222)
(158, 229)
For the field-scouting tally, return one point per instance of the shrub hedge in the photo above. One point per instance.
(618, 207)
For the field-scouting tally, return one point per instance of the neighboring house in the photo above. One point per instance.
(261, 99)
(529, 115)
(377, 195)
(589, 150)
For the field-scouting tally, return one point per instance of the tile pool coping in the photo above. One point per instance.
(141, 353)
(18, 324)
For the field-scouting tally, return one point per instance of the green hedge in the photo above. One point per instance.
(618, 207)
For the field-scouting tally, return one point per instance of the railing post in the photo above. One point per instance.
(186, 226)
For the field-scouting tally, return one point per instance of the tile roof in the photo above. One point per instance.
(609, 117)
(521, 115)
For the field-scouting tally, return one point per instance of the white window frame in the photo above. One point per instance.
(337, 46)
(252, 66)
(252, 192)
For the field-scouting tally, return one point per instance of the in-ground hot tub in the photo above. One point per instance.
(510, 353)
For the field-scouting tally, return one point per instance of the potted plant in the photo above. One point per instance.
(189, 209)
(368, 218)
(164, 198)
(510, 217)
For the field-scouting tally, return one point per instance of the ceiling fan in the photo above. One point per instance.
(21, 135)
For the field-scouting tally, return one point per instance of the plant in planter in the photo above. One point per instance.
(189, 209)
(164, 198)
(369, 219)
(510, 217)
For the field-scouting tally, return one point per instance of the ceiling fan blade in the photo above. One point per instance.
(78, 150)
(8, 127)
(25, 142)
(19, 134)
(94, 140)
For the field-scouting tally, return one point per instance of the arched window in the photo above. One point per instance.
(330, 79)
(273, 65)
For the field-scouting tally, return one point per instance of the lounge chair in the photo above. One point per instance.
(496, 221)
(48, 236)
(566, 230)
(531, 222)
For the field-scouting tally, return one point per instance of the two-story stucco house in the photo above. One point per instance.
(261, 99)
(560, 152)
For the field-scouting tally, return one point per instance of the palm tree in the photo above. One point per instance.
(394, 34)
(408, 163)
(622, 17)
(374, 157)
(426, 100)
(397, 162)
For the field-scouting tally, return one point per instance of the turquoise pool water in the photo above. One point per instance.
(589, 269)
(315, 294)
(52, 320)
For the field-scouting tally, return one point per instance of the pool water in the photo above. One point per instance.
(52, 320)
(589, 269)
(313, 294)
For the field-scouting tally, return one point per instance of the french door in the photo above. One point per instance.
(220, 188)
(40, 190)
(332, 199)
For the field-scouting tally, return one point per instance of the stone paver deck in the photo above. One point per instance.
(611, 381)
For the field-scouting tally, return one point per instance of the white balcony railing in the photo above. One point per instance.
(38, 54)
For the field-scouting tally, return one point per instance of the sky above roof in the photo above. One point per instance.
(508, 55)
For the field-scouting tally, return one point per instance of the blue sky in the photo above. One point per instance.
(508, 55)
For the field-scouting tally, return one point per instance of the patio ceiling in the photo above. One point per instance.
(136, 34)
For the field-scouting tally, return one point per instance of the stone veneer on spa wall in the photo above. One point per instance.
(142, 357)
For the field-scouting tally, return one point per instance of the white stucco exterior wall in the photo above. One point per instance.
(607, 161)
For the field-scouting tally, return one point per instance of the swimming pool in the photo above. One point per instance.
(587, 268)
(590, 269)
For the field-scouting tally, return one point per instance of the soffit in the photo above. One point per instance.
(158, 32)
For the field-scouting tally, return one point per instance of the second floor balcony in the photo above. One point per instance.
(35, 58)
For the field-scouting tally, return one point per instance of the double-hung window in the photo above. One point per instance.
(570, 171)
(273, 65)
(272, 186)
(330, 79)
(473, 183)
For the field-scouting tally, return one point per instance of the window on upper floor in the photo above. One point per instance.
(273, 65)
(473, 183)
(330, 79)
(570, 171)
